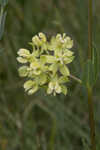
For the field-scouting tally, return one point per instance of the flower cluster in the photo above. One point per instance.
(46, 65)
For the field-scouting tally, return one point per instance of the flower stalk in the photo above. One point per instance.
(89, 89)
(76, 79)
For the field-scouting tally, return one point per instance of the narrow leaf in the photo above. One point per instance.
(2, 23)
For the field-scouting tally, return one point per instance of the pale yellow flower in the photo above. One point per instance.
(46, 66)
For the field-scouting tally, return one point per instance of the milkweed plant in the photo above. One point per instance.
(46, 66)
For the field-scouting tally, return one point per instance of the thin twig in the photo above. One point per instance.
(76, 79)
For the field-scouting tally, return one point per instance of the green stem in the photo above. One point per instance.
(76, 79)
(90, 29)
(89, 89)
(91, 119)
(52, 136)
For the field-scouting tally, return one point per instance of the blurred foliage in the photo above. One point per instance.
(3, 13)
(29, 122)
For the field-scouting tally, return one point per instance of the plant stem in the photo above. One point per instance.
(90, 29)
(91, 119)
(52, 136)
(89, 89)
(76, 79)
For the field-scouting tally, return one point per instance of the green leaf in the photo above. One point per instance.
(95, 63)
(2, 23)
(3, 14)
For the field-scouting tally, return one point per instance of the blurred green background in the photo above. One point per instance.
(30, 122)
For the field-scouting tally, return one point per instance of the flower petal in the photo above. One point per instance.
(23, 72)
(22, 60)
(64, 70)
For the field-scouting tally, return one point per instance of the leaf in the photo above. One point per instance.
(64, 70)
(2, 23)
(3, 14)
